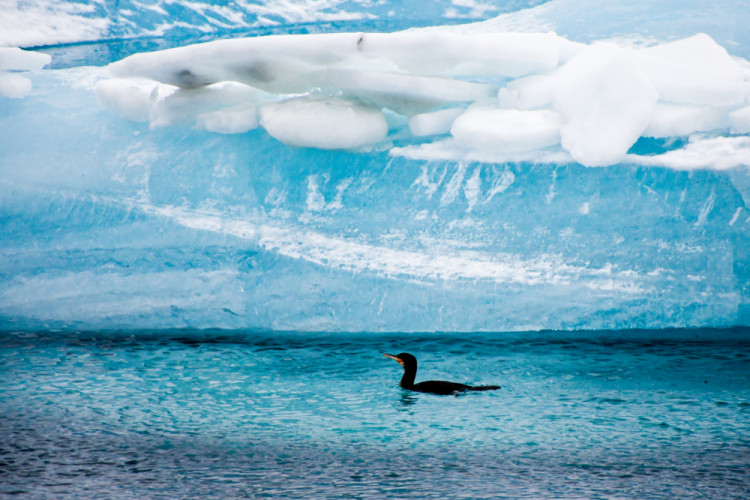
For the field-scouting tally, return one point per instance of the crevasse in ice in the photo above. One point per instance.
(429, 179)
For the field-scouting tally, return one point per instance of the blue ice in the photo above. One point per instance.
(592, 176)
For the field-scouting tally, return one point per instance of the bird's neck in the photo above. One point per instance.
(407, 381)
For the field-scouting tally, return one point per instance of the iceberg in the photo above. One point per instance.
(524, 172)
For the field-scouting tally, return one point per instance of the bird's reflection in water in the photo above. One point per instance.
(407, 400)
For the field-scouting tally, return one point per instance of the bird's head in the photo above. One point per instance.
(404, 359)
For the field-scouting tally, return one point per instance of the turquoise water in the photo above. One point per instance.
(631, 414)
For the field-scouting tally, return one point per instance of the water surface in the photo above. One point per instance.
(252, 414)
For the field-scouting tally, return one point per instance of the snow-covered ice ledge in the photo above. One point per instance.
(447, 95)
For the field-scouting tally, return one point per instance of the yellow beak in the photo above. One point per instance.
(394, 357)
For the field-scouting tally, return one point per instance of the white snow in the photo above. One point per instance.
(606, 101)
(670, 120)
(718, 153)
(185, 105)
(450, 149)
(695, 70)
(18, 59)
(225, 107)
(298, 63)
(324, 123)
(507, 129)
(14, 85)
(502, 96)
(435, 52)
(406, 94)
(128, 97)
(232, 120)
(739, 121)
(434, 123)
(531, 92)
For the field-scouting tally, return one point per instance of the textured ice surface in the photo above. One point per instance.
(606, 101)
(507, 129)
(529, 91)
(358, 181)
(325, 123)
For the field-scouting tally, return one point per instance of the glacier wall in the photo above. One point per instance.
(110, 222)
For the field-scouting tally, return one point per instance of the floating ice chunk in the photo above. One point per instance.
(22, 60)
(430, 52)
(606, 100)
(719, 153)
(435, 123)
(406, 94)
(128, 97)
(14, 85)
(449, 149)
(669, 120)
(695, 70)
(596, 105)
(12, 58)
(281, 63)
(565, 48)
(233, 120)
(184, 105)
(324, 123)
(139, 99)
(739, 121)
(530, 92)
(507, 129)
(290, 63)
(284, 68)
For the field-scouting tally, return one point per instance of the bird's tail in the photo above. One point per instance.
(485, 387)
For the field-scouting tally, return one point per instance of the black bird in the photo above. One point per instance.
(441, 387)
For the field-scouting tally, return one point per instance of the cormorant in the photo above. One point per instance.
(441, 387)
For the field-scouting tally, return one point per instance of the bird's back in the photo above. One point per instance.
(445, 388)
